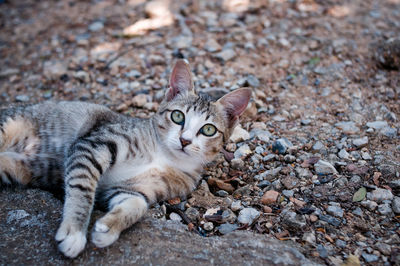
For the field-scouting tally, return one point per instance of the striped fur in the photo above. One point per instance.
(126, 164)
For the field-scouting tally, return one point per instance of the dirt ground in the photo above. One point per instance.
(316, 161)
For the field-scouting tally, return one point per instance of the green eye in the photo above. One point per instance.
(208, 130)
(178, 117)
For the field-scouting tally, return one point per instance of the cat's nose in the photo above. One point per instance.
(185, 142)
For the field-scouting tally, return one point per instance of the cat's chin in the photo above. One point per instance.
(185, 154)
(182, 152)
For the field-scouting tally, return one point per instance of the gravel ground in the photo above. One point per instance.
(316, 159)
(35, 214)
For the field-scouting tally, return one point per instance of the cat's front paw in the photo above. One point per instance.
(102, 236)
(71, 243)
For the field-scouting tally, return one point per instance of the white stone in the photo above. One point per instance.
(243, 151)
(82, 76)
(175, 217)
(396, 205)
(324, 167)
(361, 142)
(236, 205)
(226, 54)
(343, 154)
(380, 195)
(208, 226)
(96, 26)
(309, 237)
(370, 205)
(377, 124)
(239, 134)
(54, 69)
(335, 211)
(247, 215)
(139, 100)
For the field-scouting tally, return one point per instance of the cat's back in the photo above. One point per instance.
(62, 117)
(51, 127)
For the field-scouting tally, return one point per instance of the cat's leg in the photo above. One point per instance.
(126, 208)
(85, 164)
(130, 200)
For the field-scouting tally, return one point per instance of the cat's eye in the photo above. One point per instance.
(178, 117)
(208, 130)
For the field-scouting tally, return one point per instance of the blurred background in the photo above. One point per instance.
(109, 51)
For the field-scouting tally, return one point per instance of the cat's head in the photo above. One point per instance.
(192, 126)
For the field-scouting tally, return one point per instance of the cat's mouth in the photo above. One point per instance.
(183, 150)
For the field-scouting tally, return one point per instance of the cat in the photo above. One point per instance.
(125, 164)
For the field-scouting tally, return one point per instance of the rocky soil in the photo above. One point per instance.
(316, 159)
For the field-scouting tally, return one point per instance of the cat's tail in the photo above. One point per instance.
(18, 142)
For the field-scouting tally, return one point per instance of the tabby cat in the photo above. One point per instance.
(126, 164)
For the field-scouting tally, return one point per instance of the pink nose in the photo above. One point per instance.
(184, 142)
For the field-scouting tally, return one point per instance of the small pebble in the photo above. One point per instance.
(396, 205)
(270, 197)
(377, 124)
(248, 215)
(96, 26)
(192, 214)
(335, 211)
(384, 209)
(358, 212)
(348, 127)
(236, 205)
(340, 243)
(309, 237)
(323, 253)
(175, 217)
(221, 193)
(325, 168)
(343, 154)
(228, 216)
(242, 152)
(269, 158)
(318, 146)
(288, 193)
(305, 122)
(380, 195)
(370, 205)
(263, 184)
(227, 228)
(369, 257)
(253, 81)
(281, 145)
(267, 209)
(293, 220)
(22, 98)
(225, 55)
(239, 134)
(389, 132)
(361, 142)
(209, 226)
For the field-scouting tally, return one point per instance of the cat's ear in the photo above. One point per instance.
(180, 80)
(234, 104)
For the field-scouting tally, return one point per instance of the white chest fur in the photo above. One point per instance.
(127, 169)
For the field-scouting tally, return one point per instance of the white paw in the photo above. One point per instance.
(101, 228)
(71, 243)
(101, 235)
